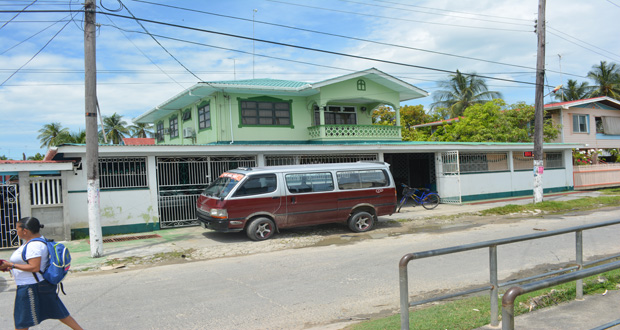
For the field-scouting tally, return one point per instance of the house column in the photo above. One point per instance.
(322, 121)
(397, 115)
(25, 205)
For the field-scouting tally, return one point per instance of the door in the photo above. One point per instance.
(310, 199)
(449, 187)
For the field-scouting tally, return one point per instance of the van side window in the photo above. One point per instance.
(257, 184)
(309, 182)
(362, 179)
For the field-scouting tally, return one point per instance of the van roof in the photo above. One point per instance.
(361, 165)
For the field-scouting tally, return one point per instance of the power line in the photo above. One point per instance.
(586, 48)
(37, 53)
(333, 34)
(396, 18)
(309, 49)
(34, 35)
(431, 13)
(3, 25)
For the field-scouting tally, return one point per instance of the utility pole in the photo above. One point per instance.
(92, 138)
(539, 104)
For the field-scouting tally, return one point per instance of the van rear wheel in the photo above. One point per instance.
(361, 222)
(261, 229)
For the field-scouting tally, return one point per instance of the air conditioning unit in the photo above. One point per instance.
(188, 132)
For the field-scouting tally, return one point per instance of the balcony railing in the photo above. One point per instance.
(354, 132)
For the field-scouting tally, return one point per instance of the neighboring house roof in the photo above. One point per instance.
(605, 100)
(138, 141)
(438, 123)
(275, 87)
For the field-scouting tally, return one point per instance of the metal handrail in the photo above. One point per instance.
(508, 301)
(494, 284)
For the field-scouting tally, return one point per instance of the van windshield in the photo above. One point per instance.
(222, 186)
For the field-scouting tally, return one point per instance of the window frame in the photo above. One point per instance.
(260, 113)
(160, 132)
(335, 115)
(204, 110)
(173, 126)
(577, 124)
(123, 173)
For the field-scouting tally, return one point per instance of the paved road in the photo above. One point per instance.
(312, 286)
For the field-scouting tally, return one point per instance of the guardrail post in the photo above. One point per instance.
(508, 307)
(579, 260)
(494, 285)
(404, 292)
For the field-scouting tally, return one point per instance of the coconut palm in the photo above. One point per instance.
(607, 79)
(74, 137)
(141, 130)
(461, 91)
(51, 134)
(574, 91)
(115, 128)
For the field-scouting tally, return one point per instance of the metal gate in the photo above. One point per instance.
(450, 177)
(9, 215)
(180, 181)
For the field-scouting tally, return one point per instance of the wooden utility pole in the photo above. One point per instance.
(92, 137)
(539, 105)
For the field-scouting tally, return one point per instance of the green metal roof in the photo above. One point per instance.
(263, 82)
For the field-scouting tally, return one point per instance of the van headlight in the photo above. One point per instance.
(219, 213)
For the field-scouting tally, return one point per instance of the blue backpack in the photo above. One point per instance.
(59, 261)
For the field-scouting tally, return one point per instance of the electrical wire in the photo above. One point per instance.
(35, 55)
(9, 21)
(334, 35)
(34, 35)
(396, 18)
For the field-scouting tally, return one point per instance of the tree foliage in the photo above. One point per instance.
(495, 122)
(115, 128)
(461, 91)
(574, 91)
(38, 156)
(141, 130)
(410, 115)
(52, 135)
(607, 79)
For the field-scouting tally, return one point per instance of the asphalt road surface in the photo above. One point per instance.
(313, 287)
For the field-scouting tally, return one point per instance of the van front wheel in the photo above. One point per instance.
(261, 229)
(361, 222)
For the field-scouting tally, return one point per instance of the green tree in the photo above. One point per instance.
(3, 157)
(38, 156)
(495, 122)
(78, 137)
(574, 91)
(51, 135)
(461, 91)
(141, 130)
(384, 115)
(115, 128)
(607, 79)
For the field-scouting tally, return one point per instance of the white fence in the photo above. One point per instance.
(596, 176)
(46, 191)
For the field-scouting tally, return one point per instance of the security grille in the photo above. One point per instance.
(271, 160)
(550, 160)
(450, 177)
(483, 162)
(180, 181)
(9, 215)
(122, 172)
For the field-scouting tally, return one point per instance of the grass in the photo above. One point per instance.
(474, 312)
(609, 198)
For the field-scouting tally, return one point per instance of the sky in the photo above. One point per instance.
(182, 42)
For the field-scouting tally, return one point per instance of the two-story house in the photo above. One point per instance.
(214, 126)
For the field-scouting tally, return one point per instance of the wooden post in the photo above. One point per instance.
(92, 137)
(539, 105)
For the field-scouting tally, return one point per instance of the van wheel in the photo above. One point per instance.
(261, 229)
(361, 222)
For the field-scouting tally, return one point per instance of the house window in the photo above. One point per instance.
(122, 172)
(580, 124)
(160, 132)
(361, 85)
(174, 127)
(204, 117)
(187, 115)
(483, 162)
(337, 115)
(266, 113)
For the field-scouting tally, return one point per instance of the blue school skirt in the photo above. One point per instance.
(37, 302)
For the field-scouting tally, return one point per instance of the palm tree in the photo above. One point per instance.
(78, 137)
(607, 78)
(462, 91)
(141, 130)
(574, 91)
(51, 134)
(115, 128)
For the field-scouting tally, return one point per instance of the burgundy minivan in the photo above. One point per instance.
(262, 200)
